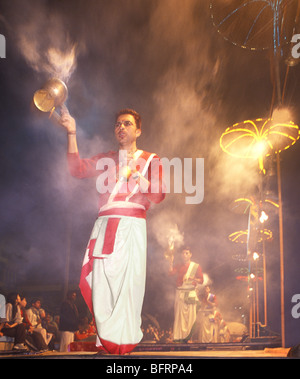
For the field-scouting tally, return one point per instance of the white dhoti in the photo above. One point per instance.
(113, 279)
(208, 331)
(185, 312)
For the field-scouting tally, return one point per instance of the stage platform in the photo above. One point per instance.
(252, 349)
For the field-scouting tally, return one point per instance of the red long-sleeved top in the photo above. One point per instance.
(107, 175)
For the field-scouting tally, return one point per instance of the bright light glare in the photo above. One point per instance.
(260, 148)
(255, 256)
(263, 217)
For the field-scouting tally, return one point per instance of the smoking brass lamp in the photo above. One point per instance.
(53, 95)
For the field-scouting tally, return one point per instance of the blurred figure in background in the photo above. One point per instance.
(69, 321)
(188, 276)
(35, 320)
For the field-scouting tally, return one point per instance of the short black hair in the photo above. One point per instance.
(135, 114)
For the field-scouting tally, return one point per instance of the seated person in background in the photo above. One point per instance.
(13, 326)
(33, 340)
(84, 332)
(34, 318)
(51, 326)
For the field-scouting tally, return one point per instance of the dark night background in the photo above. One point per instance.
(165, 59)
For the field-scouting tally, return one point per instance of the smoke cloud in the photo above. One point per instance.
(42, 38)
(166, 60)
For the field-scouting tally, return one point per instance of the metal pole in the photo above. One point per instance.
(257, 299)
(281, 252)
(265, 283)
(250, 315)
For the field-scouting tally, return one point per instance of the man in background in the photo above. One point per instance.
(188, 276)
(69, 321)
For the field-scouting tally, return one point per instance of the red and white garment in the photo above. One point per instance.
(185, 305)
(114, 268)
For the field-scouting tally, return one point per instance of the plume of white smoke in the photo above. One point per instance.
(166, 231)
(44, 42)
(282, 115)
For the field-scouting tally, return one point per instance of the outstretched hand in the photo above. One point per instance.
(67, 121)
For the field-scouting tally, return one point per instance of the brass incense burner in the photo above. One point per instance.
(53, 95)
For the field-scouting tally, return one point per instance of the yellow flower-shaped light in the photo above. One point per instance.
(242, 236)
(258, 138)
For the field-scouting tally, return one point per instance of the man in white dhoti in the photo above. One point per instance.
(189, 275)
(208, 317)
(114, 267)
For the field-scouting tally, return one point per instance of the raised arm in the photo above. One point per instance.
(80, 168)
(69, 123)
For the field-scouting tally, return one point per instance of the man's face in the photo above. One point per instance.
(186, 255)
(126, 131)
(37, 304)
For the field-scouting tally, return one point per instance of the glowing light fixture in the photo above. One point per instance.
(255, 256)
(272, 203)
(263, 217)
(242, 236)
(256, 139)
